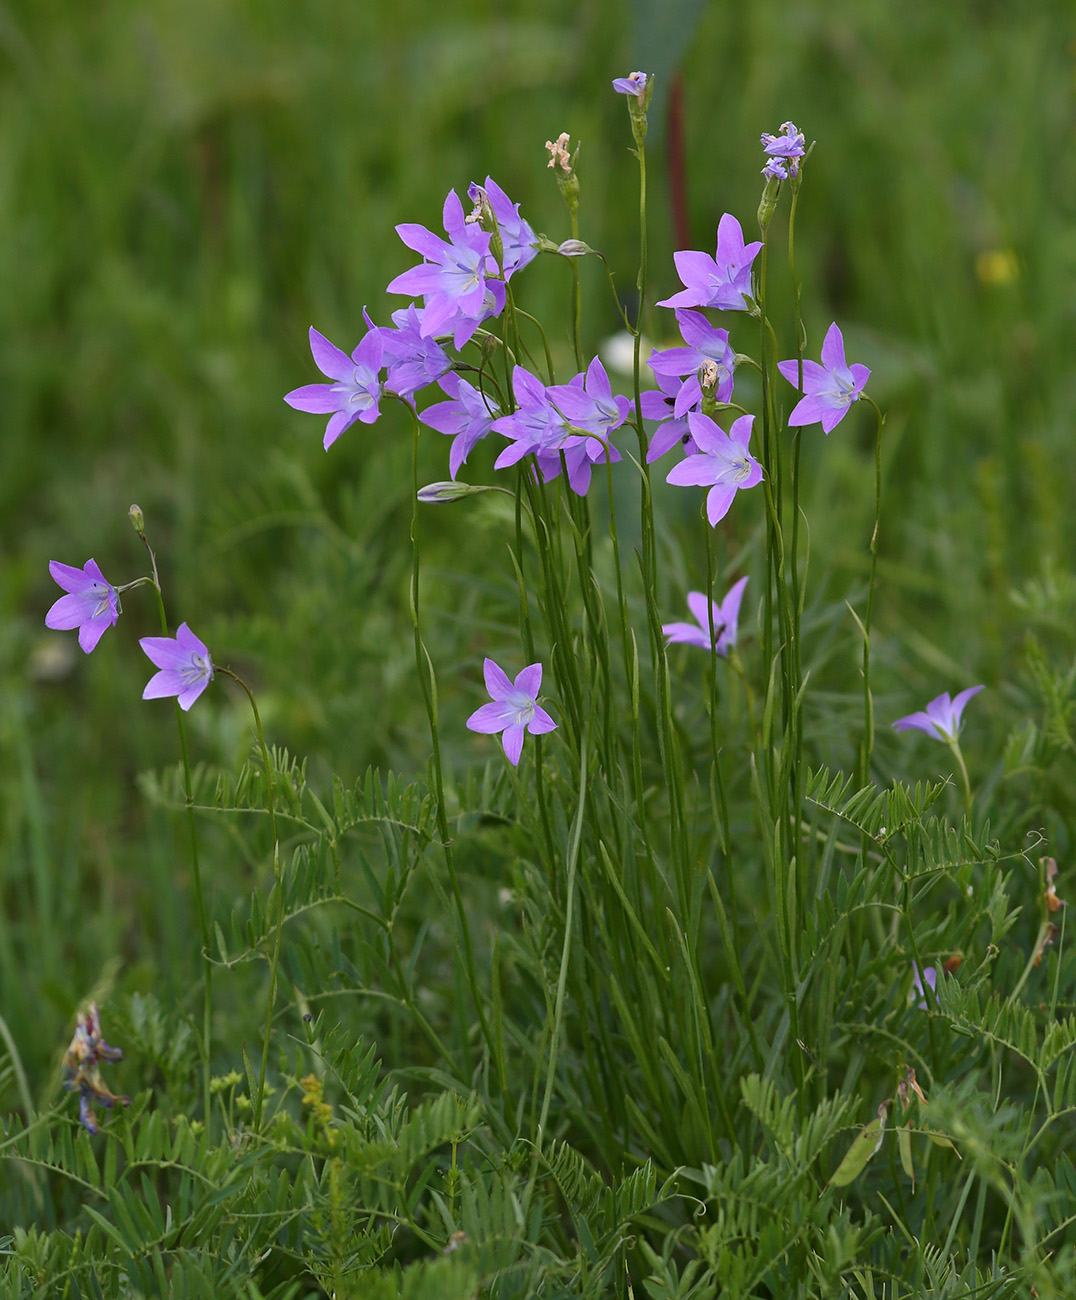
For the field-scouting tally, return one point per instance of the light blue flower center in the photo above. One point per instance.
(522, 706)
(99, 593)
(355, 392)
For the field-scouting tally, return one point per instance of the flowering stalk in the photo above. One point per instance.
(138, 523)
(868, 700)
(278, 883)
(426, 678)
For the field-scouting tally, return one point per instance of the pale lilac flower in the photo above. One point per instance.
(633, 85)
(452, 278)
(515, 708)
(186, 668)
(413, 360)
(929, 976)
(722, 463)
(789, 144)
(830, 388)
(467, 418)
(357, 388)
(660, 404)
(704, 344)
(722, 281)
(726, 617)
(92, 604)
(536, 426)
(777, 169)
(519, 243)
(587, 402)
(941, 718)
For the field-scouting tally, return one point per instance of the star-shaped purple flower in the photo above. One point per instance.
(413, 360)
(941, 718)
(452, 278)
(467, 418)
(356, 389)
(185, 666)
(830, 388)
(726, 617)
(704, 345)
(536, 426)
(92, 603)
(722, 463)
(514, 709)
(722, 281)
(519, 243)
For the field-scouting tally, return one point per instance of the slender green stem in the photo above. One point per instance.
(196, 871)
(278, 891)
(954, 745)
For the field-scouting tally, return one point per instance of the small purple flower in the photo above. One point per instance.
(929, 976)
(452, 277)
(726, 617)
(777, 169)
(722, 281)
(587, 402)
(576, 458)
(519, 243)
(515, 708)
(92, 604)
(633, 85)
(830, 388)
(722, 463)
(704, 344)
(186, 668)
(789, 144)
(414, 361)
(357, 388)
(536, 426)
(941, 718)
(467, 418)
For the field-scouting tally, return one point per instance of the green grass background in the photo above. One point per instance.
(185, 188)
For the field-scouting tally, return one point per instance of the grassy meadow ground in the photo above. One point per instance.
(185, 188)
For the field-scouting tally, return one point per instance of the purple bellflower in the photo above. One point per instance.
(356, 389)
(660, 404)
(413, 360)
(722, 281)
(519, 243)
(777, 169)
(830, 388)
(514, 709)
(92, 603)
(536, 426)
(941, 718)
(726, 618)
(704, 344)
(722, 463)
(467, 418)
(452, 277)
(185, 666)
(587, 402)
(633, 85)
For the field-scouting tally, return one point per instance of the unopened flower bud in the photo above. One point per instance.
(138, 520)
(768, 203)
(440, 493)
(574, 248)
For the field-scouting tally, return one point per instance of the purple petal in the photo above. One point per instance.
(530, 680)
(686, 633)
(730, 606)
(166, 682)
(513, 743)
(336, 426)
(541, 723)
(94, 629)
(68, 612)
(497, 683)
(489, 718)
(316, 399)
(692, 471)
(740, 431)
(422, 241)
(700, 611)
(833, 349)
(718, 501)
(811, 410)
(327, 356)
(187, 697)
(165, 653)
